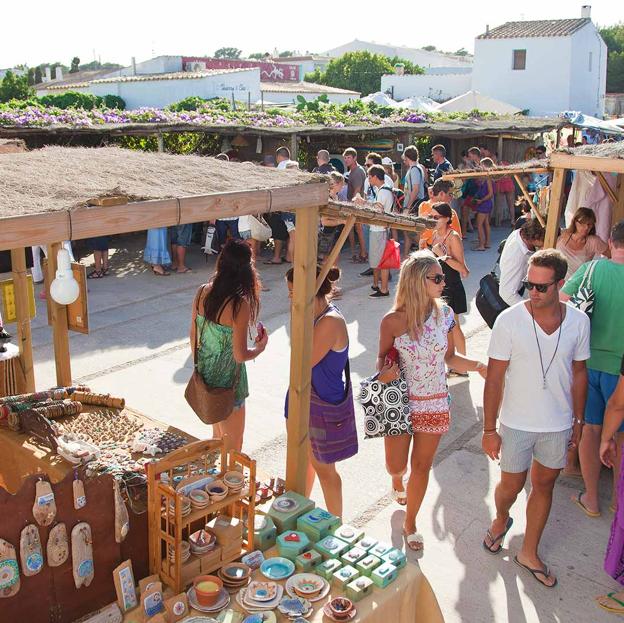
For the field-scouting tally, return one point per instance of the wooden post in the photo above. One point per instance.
(618, 207)
(294, 148)
(538, 216)
(499, 147)
(330, 260)
(554, 208)
(605, 186)
(302, 326)
(24, 337)
(59, 323)
(161, 143)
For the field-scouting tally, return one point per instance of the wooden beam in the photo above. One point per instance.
(331, 258)
(499, 147)
(301, 335)
(605, 185)
(24, 336)
(538, 216)
(461, 175)
(89, 222)
(586, 163)
(618, 207)
(554, 208)
(294, 147)
(59, 323)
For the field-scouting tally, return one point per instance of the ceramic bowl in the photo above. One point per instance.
(217, 491)
(340, 607)
(234, 480)
(207, 597)
(199, 498)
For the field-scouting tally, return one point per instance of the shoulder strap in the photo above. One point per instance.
(198, 332)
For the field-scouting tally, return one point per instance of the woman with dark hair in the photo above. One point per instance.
(332, 430)
(446, 245)
(579, 242)
(484, 203)
(224, 309)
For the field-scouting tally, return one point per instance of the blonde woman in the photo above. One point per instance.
(419, 326)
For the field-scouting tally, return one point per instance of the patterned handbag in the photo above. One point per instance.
(584, 297)
(386, 407)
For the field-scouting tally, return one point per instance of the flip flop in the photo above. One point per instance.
(609, 608)
(159, 274)
(269, 262)
(95, 274)
(500, 537)
(183, 272)
(577, 501)
(414, 540)
(400, 497)
(534, 572)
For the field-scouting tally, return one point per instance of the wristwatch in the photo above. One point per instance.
(578, 421)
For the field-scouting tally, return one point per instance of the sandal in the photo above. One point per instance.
(577, 500)
(415, 541)
(610, 596)
(500, 537)
(535, 572)
(95, 274)
(269, 262)
(158, 273)
(400, 497)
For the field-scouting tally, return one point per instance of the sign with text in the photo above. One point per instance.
(275, 72)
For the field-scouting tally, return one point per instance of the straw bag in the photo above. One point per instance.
(259, 228)
(584, 297)
(211, 404)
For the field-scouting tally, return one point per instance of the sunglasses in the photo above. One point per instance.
(540, 287)
(437, 279)
(436, 217)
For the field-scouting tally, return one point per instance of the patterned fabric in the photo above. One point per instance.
(422, 362)
(614, 559)
(215, 358)
(386, 407)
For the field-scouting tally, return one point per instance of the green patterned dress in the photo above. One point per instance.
(215, 358)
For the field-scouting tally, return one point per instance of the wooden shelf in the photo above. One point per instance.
(211, 509)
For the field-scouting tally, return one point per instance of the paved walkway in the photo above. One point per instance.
(138, 348)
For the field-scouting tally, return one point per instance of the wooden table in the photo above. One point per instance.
(22, 455)
(409, 599)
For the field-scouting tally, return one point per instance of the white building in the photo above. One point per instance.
(287, 92)
(439, 87)
(426, 59)
(544, 66)
(307, 64)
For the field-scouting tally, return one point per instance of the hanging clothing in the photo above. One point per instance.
(582, 184)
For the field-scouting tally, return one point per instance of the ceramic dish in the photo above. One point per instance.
(235, 571)
(200, 619)
(330, 615)
(285, 505)
(295, 607)
(262, 591)
(252, 606)
(303, 580)
(277, 568)
(260, 617)
(234, 480)
(201, 483)
(222, 601)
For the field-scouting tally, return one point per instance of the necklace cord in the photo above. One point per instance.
(539, 349)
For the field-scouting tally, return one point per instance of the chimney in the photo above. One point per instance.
(586, 11)
(59, 72)
(133, 63)
(487, 29)
(48, 74)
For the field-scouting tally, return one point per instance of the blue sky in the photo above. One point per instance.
(117, 30)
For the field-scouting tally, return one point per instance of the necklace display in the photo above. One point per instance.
(539, 349)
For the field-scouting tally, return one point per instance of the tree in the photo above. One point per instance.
(38, 75)
(258, 56)
(31, 76)
(461, 52)
(15, 87)
(75, 65)
(285, 54)
(228, 53)
(429, 48)
(614, 38)
(357, 71)
(410, 68)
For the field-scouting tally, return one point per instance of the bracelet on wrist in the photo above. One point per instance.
(490, 433)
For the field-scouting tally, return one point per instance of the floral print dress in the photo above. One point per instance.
(422, 362)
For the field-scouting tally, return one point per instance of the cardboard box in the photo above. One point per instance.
(210, 560)
(227, 529)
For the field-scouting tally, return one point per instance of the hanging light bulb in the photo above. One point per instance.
(64, 289)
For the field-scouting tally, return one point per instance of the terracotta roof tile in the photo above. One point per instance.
(536, 28)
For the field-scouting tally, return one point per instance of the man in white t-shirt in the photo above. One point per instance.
(378, 235)
(282, 157)
(519, 246)
(538, 380)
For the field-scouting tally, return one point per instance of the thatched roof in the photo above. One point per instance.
(63, 178)
(602, 150)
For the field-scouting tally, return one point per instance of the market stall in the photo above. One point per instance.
(199, 497)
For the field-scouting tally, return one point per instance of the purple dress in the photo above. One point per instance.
(614, 559)
(482, 191)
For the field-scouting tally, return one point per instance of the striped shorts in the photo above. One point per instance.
(520, 448)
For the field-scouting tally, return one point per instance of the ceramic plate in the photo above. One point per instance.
(295, 606)
(256, 606)
(277, 568)
(222, 601)
(285, 505)
(295, 579)
(262, 591)
(328, 613)
(200, 619)
(260, 617)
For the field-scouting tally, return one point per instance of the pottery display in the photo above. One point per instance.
(208, 589)
(251, 604)
(262, 591)
(308, 586)
(217, 490)
(359, 588)
(202, 541)
(199, 499)
(221, 602)
(339, 615)
(292, 543)
(235, 576)
(285, 505)
(277, 568)
(234, 480)
(185, 552)
(295, 607)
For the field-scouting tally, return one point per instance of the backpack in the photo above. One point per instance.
(399, 196)
(488, 301)
(422, 191)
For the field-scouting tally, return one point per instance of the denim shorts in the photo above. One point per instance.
(180, 235)
(600, 386)
(520, 448)
(245, 235)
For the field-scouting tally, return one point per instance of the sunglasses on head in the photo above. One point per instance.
(540, 287)
(437, 279)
